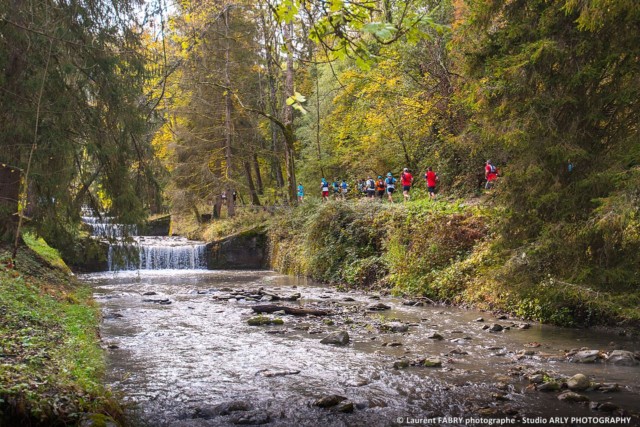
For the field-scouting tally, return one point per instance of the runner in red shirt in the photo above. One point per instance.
(491, 174)
(406, 179)
(432, 180)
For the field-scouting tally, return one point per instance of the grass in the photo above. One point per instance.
(51, 364)
(452, 251)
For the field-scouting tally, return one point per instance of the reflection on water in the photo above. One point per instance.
(198, 351)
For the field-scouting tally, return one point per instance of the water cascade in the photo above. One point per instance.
(157, 253)
(128, 251)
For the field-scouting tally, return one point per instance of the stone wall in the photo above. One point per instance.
(246, 250)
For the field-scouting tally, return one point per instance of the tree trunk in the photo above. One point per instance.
(318, 118)
(217, 207)
(288, 116)
(252, 188)
(227, 120)
(276, 168)
(256, 168)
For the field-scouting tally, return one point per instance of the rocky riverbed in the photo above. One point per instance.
(209, 348)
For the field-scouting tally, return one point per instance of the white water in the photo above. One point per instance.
(157, 253)
(105, 228)
(128, 251)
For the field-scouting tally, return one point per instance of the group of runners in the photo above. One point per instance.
(377, 188)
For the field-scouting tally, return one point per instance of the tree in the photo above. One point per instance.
(555, 84)
(71, 111)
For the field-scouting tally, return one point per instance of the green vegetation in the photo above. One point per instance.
(445, 251)
(52, 366)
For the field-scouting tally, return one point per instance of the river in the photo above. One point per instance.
(184, 355)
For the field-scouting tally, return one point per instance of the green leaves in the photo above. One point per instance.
(296, 101)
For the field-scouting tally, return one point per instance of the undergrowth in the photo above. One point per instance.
(51, 364)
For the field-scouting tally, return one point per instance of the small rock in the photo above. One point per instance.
(435, 336)
(112, 346)
(607, 388)
(396, 327)
(585, 356)
(264, 320)
(536, 379)
(378, 307)
(401, 364)
(346, 407)
(570, 396)
(548, 386)
(221, 409)
(151, 293)
(431, 362)
(604, 406)
(328, 322)
(374, 297)
(503, 317)
(622, 358)
(479, 319)
(329, 401)
(348, 299)
(252, 418)
(485, 327)
(578, 382)
(500, 396)
(337, 338)
(496, 328)
(393, 344)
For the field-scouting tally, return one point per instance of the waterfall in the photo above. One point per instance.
(103, 227)
(157, 253)
(128, 251)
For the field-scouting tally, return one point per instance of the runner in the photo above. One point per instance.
(406, 178)
(336, 188)
(491, 174)
(371, 188)
(325, 190)
(300, 193)
(345, 188)
(390, 182)
(380, 186)
(432, 180)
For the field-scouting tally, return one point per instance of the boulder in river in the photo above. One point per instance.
(570, 396)
(603, 406)
(548, 386)
(264, 320)
(578, 382)
(337, 338)
(329, 401)
(431, 362)
(585, 356)
(345, 406)
(221, 409)
(396, 327)
(251, 418)
(495, 328)
(435, 336)
(622, 358)
(378, 307)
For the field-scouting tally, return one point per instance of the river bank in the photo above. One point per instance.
(448, 251)
(51, 363)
